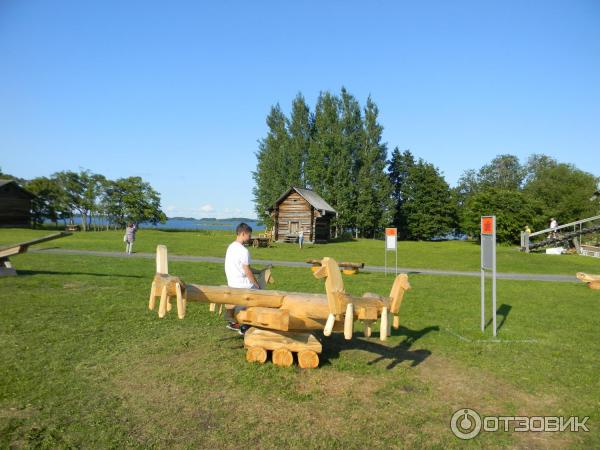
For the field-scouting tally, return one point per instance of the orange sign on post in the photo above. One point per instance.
(391, 243)
(487, 225)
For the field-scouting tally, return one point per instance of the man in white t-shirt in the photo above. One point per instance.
(237, 267)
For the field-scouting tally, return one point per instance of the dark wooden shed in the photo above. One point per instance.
(15, 205)
(302, 209)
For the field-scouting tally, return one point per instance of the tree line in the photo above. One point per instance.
(100, 202)
(337, 150)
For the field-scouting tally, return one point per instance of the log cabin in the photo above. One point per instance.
(15, 205)
(302, 209)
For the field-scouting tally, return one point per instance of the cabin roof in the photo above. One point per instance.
(311, 197)
(22, 189)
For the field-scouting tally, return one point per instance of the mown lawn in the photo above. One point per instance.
(453, 255)
(85, 364)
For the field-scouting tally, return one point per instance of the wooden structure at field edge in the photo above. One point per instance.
(593, 281)
(302, 209)
(15, 205)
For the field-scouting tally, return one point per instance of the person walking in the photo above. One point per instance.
(129, 237)
(300, 238)
(553, 227)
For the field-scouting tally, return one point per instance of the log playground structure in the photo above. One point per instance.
(284, 323)
(6, 267)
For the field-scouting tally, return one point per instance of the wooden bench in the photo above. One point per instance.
(348, 268)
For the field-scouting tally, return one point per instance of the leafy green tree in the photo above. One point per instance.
(564, 191)
(132, 199)
(272, 173)
(399, 166)
(513, 210)
(374, 202)
(46, 204)
(428, 203)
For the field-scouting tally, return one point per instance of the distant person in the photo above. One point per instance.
(300, 238)
(130, 237)
(553, 227)
(527, 229)
(237, 267)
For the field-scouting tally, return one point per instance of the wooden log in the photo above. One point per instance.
(283, 357)
(349, 321)
(308, 359)
(162, 307)
(256, 354)
(272, 318)
(152, 301)
(272, 340)
(212, 307)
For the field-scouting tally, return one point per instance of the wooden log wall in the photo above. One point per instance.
(15, 207)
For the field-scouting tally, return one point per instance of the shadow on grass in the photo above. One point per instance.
(55, 272)
(334, 344)
(503, 311)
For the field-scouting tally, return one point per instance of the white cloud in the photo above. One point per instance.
(207, 208)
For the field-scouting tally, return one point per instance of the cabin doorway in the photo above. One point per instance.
(294, 228)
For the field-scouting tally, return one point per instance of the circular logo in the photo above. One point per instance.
(465, 423)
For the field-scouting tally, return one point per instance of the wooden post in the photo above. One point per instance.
(396, 322)
(212, 307)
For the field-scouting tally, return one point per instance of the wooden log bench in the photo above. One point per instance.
(348, 268)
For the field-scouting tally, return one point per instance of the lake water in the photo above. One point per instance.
(191, 224)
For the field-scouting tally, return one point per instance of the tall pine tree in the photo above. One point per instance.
(399, 167)
(300, 130)
(272, 171)
(373, 186)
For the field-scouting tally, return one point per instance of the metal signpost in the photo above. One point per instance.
(488, 262)
(391, 243)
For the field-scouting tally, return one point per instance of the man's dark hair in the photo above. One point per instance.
(243, 228)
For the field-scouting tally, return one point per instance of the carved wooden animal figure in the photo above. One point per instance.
(593, 281)
(283, 322)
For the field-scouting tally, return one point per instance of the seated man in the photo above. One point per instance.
(237, 267)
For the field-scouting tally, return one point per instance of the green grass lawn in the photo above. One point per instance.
(86, 364)
(453, 255)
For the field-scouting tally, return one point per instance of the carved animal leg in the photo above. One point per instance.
(180, 302)
(152, 301)
(162, 307)
(383, 325)
(368, 328)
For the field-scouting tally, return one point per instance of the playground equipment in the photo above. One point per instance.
(284, 322)
(555, 236)
(593, 281)
(348, 268)
(6, 268)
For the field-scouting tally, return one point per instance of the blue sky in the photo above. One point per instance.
(177, 92)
